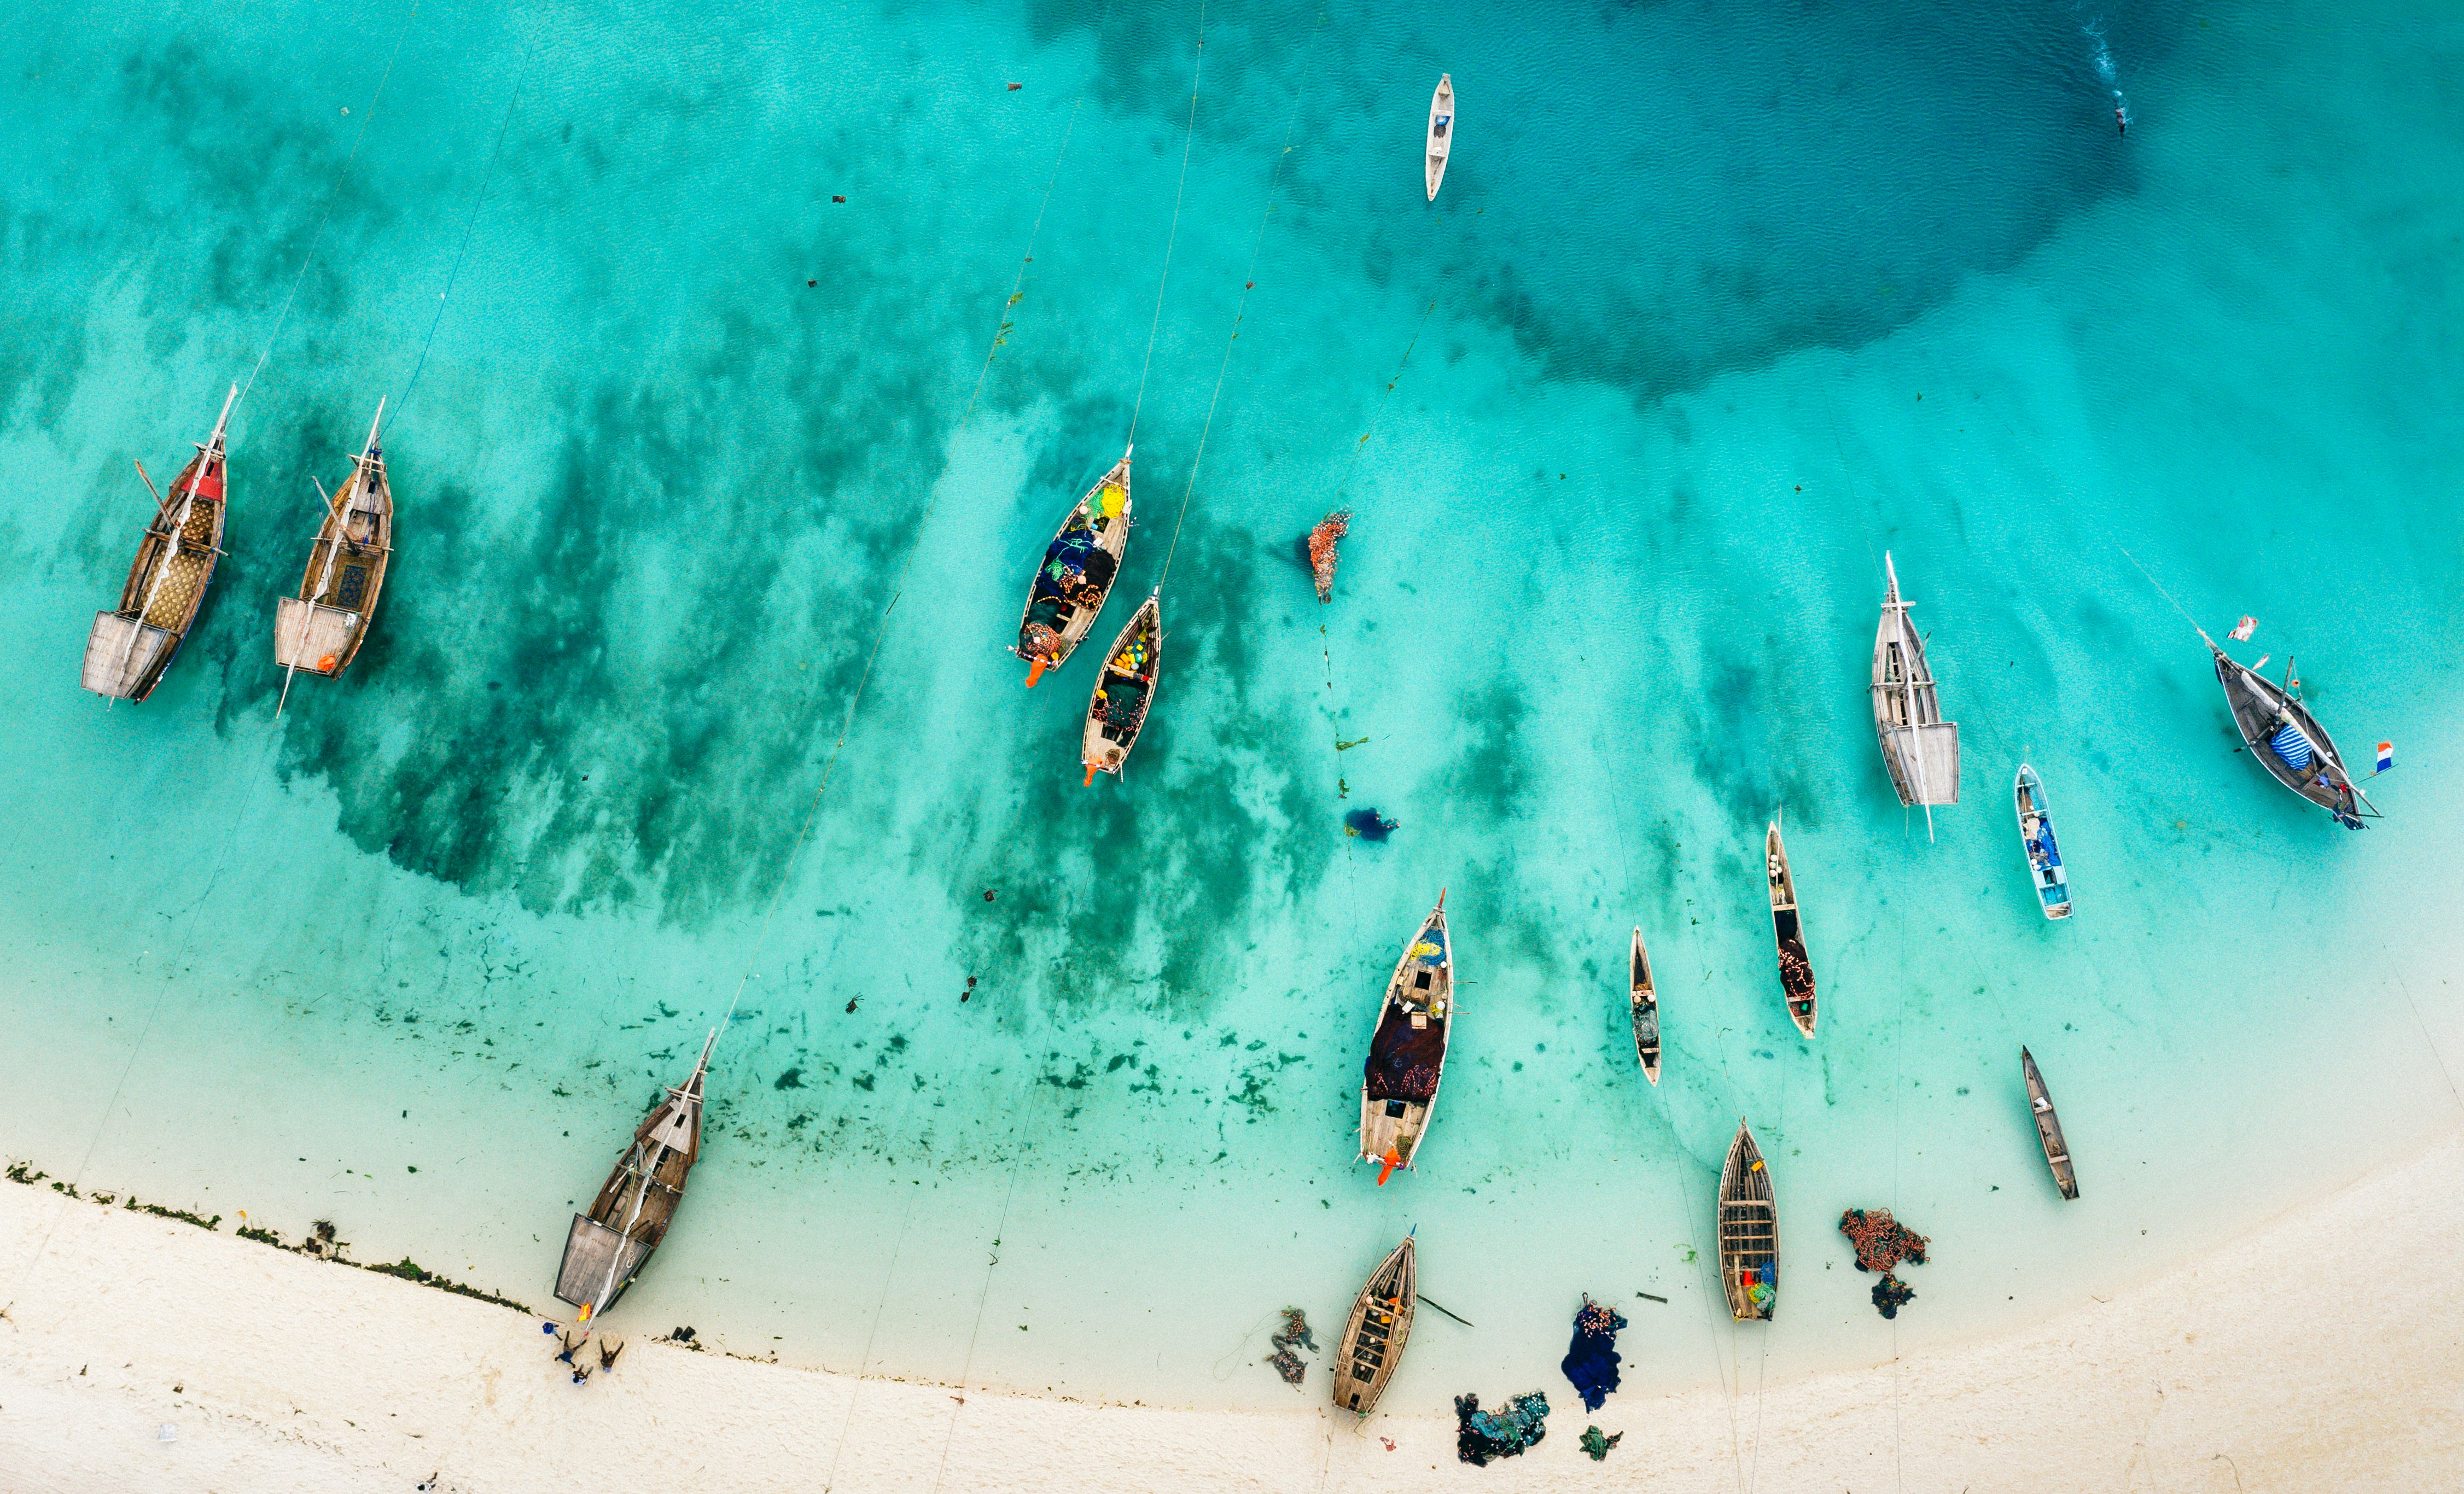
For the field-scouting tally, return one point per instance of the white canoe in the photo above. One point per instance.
(1442, 130)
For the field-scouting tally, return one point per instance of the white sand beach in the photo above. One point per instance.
(2323, 1352)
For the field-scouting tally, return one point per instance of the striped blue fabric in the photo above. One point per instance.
(2291, 746)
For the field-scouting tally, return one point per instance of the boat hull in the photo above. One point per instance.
(322, 630)
(2048, 1128)
(1054, 623)
(1407, 1048)
(1371, 1347)
(2046, 873)
(167, 584)
(1920, 749)
(1797, 981)
(1748, 1232)
(1124, 694)
(1644, 1010)
(2262, 712)
(1441, 133)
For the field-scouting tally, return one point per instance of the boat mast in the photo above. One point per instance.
(338, 513)
(1909, 689)
(171, 537)
(690, 1094)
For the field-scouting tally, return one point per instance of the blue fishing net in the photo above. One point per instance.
(1591, 1361)
(1481, 1436)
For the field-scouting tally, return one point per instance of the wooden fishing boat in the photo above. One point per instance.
(1077, 573)
(608, 1248)
(1919, 747)
(2287, 740)
(2048, 1128)
(1374, 1335)
(321, 628)
(1442, 130)
(1407, 1050)
(1787, 930)
(2045, 869)
(1748, 1231)
(1645, 1012)
(128, 648)
(1125, 690)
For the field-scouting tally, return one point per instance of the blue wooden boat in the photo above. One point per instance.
(2045, 868)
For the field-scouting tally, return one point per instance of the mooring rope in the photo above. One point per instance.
(1189, 137)
(1249, 284)
(340, 174)
(898, 588)
(469, 224)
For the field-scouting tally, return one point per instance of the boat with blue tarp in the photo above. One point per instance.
(2045, 868)
(1076, 574)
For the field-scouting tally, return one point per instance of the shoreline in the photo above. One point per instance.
(2319, 1351)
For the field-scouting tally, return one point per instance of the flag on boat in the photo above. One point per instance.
(2386, 756)
(2243, 629)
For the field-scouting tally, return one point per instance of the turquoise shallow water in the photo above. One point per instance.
(1712, 313)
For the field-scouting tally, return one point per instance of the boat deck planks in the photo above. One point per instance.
(1749, 1230)
(1371, 1347)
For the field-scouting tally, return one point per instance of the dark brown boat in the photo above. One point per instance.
(1643, 1008)
(130, 646)
(608, 1248)
(2048, 1128)
(1788, 931)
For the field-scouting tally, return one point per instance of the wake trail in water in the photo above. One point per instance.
(2105, 74)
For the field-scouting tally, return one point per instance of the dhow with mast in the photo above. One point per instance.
(131, 646)
(1919, 747)
(606, 1248)
(321, 628)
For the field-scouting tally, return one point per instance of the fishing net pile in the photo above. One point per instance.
(1890, 1295)
(1295, 1334)
(1795, 973)
(1481, 1436)
(1036, 640)
(1646, 1027)
(1882, 1242)
(1321, 550)
(1590, 1362)
(1597, 1445)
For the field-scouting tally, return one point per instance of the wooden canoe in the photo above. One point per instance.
(2049, 1127)
(1748, 1231)
(1645, 1012)
(1407, 1049)
(1787, 930)
(2286, 740)
(1919, 747)
(1442, 130)
(1373, 1336)
(606, 1248)
(320, 629)
(1123, 692)
(130, 646)
(2046, 872)
(1076, 574)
